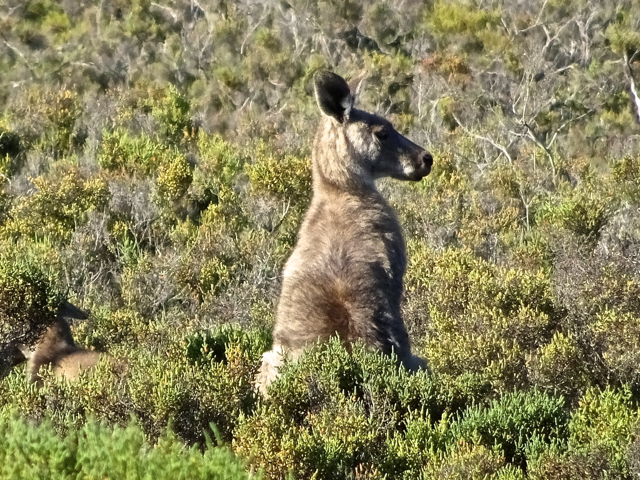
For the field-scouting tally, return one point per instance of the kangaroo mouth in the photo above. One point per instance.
(422, 166)
(419, 173)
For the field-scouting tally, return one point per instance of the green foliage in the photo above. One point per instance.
(511, 423)
(28, 299)
(605, 420)
(55, 114)
(99, 451)
(171, 110)
(187, 387)
(582, 213)
(333, 414)
(212, 346)
(461, 22)
(559, 366)
(624, 39)
(169, 150)
(122, 151)
(288, 178)
(619, 331)
(174, 178)
(484, 318)
(626, 170)
(57, 207)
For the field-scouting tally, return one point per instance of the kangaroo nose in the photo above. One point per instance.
(426, 158)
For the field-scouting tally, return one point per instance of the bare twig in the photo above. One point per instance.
(255, 27)
(486, 139)
(21, 55)
(532, 135)
(628, 71)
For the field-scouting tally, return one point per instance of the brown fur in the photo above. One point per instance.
(345, 274)
(57, 348)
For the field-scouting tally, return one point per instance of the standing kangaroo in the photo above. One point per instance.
(345, 274)
(57, 348)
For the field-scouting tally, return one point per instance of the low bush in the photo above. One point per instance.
(98, 451)
(483, 318)
(28, 302)
(56, 208)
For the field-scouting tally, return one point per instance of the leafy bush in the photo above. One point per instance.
(174, 178)
(334, 413)
(605, 421)
(171, 110)
(57, 207)
(171, 162)
(122, 151)
(288, 178)
(483, 318)
(28, 301)
(99, 451)
(511, 423)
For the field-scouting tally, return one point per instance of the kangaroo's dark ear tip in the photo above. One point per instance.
(68, 310)
(324, 79)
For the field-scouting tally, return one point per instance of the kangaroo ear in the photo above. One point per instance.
(356, 83)
(68, 310)
(333, 95)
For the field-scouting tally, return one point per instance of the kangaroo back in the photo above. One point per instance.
(57, 348)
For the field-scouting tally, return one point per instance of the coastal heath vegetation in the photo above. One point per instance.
(154, 170)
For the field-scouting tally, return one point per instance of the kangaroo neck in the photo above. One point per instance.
(336, 167)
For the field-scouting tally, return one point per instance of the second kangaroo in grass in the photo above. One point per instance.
(345, 274)
(57, 348)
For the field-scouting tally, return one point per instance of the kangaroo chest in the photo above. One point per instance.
(349, 239)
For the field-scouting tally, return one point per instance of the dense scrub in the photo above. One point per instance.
(154, 165)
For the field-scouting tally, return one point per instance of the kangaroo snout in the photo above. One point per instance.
(419, 166)
(425, 161)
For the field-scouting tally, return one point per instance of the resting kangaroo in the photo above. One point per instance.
(57, 348)
(345, 274)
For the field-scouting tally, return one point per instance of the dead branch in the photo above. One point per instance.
(486, 139)
(628, 71)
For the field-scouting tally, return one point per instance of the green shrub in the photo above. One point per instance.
(335, 414)
(220, 160)
(57, 208)
(212, 346)
(287, 177)
(626, 170)
(174, 178)
(559, 366)
(421, 443)
(97, 451)
(581, 212)
(468, 462)
(120, 151)
(605, 421)
(184, 386)
(471, 29)
(52, 115)
(512, 422)
(171, 109)
(483, 318)
(28, 300)
(618, 333)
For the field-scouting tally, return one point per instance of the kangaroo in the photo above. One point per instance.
(57, 348)
(345, 273)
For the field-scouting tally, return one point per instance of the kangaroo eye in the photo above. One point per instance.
(381, 132)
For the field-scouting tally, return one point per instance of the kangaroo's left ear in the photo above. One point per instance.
(333, 95)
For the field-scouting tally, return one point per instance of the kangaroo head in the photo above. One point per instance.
(369, 144)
